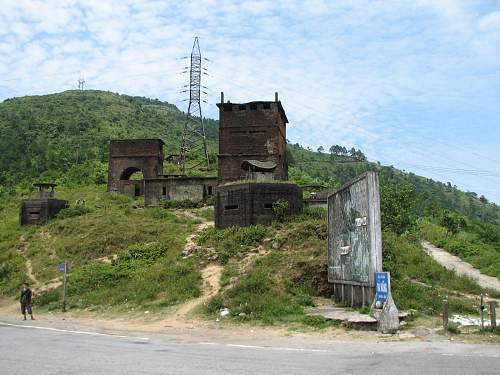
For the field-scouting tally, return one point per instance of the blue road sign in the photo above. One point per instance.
(62, 267)
(382, 284)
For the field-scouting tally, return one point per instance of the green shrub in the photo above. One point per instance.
(73, 212)
(397, 206)
(453, 328)
(281, 209)
(186, 203)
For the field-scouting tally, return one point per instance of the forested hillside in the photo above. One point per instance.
(65, 136)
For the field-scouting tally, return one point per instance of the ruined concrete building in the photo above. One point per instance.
(252, 141)
(253, 169)
(128, 156)
(42, 207)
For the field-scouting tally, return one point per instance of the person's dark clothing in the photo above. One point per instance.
(25, 300)
(26, 296)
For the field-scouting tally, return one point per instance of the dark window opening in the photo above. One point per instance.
(231, 207)
(164, 190)
(268, 205)
(210, 190)
(256, 131)
(253, 107)
(267, 105)
(137, 190)
(242, 107)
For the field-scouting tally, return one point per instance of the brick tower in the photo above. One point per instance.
(252, 141)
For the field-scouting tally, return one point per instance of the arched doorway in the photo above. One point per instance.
(132, 181)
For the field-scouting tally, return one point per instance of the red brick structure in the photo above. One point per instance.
(128, 156)
(255, 132)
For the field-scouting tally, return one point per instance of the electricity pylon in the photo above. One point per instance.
(194, 151)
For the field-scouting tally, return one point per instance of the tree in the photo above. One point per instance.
(396, 205)
(320, 149)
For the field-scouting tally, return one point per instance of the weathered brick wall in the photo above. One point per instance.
(251, 203)
(132, 155)
(178, 188)
(248, 131)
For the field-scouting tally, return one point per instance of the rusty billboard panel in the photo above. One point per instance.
(355, 240)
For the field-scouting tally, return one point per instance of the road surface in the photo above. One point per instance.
(32, 348)
(462, 268)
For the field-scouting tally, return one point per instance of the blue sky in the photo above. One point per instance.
(414, 84)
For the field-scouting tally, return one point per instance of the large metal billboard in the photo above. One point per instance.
(355, 239)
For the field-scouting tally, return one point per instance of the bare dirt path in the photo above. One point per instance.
(211, 285)
(462, 268)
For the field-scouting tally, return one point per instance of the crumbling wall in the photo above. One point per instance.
(178, 188)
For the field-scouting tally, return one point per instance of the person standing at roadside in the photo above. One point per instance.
(25, 300)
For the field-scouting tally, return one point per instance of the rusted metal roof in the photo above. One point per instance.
(258, 165)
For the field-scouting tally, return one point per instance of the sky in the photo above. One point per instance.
(414, 84)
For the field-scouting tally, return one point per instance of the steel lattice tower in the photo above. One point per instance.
(194, 141)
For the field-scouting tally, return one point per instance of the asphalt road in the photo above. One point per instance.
(26, 349)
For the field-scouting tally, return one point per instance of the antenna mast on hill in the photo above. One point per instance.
(194, 151)
(81, 82)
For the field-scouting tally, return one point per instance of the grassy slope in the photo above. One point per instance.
(147, 244)
(291, 270)
(477, 244)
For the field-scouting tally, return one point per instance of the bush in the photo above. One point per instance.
(186, 203)
(281, 209)
(73, 212)
(453, 328)
(397, 205)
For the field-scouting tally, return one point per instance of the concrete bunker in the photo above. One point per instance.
(249, 203)
(42, 207)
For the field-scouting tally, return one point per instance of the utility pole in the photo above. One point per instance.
(194, 151)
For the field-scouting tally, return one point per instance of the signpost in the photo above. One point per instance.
(382, 285)
(63, 267)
